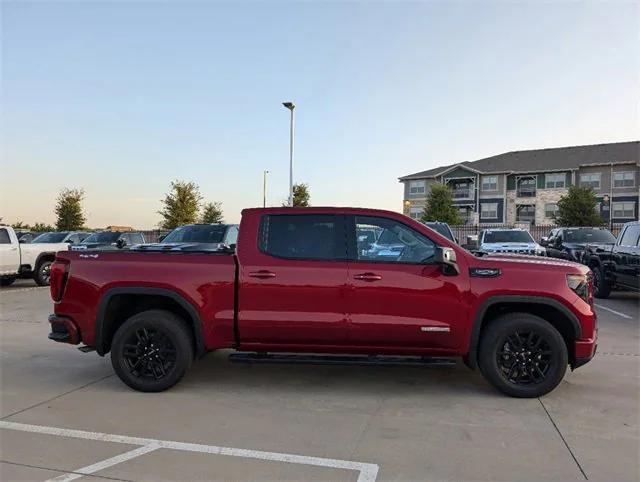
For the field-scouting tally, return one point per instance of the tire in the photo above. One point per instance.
(601, 288)
(136, 342)
(506, 365)
(42, 274)
(7, 281)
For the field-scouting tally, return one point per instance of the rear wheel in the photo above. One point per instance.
(601, 287)
(7, 281)
(523, 355)
(43, 272)
(152, 350)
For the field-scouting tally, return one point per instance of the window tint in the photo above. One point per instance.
(514, 236)
(397, 243)
(586, 235)
(4, 237)
(630, 236)
(232, 236)
(51, 237)
(304, 236)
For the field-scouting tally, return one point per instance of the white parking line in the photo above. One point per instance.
(366, 472)
(613, 311)
(20, 290)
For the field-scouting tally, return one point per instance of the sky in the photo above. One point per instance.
(120, 98)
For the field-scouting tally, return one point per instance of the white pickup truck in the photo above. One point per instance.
(25, 260)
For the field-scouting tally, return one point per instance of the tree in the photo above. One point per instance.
(578, 208)
(439, 206)
(301, 196)
(19, 225)
(42, 228)
(70, 216)
(212, 213)
(181, 205)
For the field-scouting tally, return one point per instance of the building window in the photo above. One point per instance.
(526, 186)
(550, 210)
(465, 213)
(417, 187)
(489, 183)
(590, 180)
(624, 210)
(489, 210)
(624, 179)
(415, 212)
(555, 180)
(526, 213)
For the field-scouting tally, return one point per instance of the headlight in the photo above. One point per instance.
(580, 284)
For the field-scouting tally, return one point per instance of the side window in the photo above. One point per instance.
(630, 236)
(395, 242)
(304, 236)
(232, 236)
(4, 237)
(73, 239)
(136, 238)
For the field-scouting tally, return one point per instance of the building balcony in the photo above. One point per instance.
(526, 191)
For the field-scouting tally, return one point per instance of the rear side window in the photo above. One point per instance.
(4, 237)
(304, 236)
(630, 236)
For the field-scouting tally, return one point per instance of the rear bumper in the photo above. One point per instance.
(63, 330)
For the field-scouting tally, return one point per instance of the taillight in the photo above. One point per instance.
(58, 279)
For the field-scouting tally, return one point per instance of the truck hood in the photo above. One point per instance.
(508, 246)
(574, 246)
(507, 261)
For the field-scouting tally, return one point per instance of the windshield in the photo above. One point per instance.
(50, 238)
(106, 237)
(201, 233)
(507, 237)
(441, 229)
(589, 236)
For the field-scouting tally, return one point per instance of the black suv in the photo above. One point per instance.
(618, 265)
(109, 240)
(570, 243)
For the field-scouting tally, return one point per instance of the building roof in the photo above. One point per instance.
(553, 159)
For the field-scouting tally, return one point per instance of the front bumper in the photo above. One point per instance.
(585, 350)
(63, 330)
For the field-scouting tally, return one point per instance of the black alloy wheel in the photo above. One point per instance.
(149, 353)
(525, 358)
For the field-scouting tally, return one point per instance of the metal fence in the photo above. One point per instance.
(537, 231)
(153, 236)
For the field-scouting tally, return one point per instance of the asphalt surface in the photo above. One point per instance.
(229, 421)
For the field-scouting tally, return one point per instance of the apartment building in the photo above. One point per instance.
(525, 186)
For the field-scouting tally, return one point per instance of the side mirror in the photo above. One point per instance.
(22, 241)
(446, 257)
(121, 243)
(544, 241)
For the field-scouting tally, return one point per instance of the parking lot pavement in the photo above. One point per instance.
(302, 422)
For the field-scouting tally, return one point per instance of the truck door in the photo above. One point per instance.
(626, 257)
(293, 282)
(397, 297)
(9, 252)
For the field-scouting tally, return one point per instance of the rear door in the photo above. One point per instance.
(626, 257)
(9, 252)
(293, 282)
(401, 300)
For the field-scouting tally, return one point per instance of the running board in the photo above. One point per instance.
(341, 359)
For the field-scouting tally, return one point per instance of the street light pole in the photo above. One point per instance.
(264, 188)
(291, 106)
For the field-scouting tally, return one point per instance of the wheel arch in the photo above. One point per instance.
(118, 304)
(548, 309)
(46, 256)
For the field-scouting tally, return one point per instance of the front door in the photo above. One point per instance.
(397, 296)
(626, 257)
(9, 253)
(292, 288)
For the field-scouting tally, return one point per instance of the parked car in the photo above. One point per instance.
(514, 240)
(570, 243)
(70, 237)
(615, 266)
(298, 284)
(25, 237)
(442, 228)
(106, 240)
(197, 236)
(25, 260)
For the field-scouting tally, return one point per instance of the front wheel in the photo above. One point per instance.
(152, 350)
(42, 275)
(601, 287)
(522, 355)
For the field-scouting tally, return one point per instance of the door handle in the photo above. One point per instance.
(262, 274)
(368, 277)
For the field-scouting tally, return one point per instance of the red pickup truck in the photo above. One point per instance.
(328, 281)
